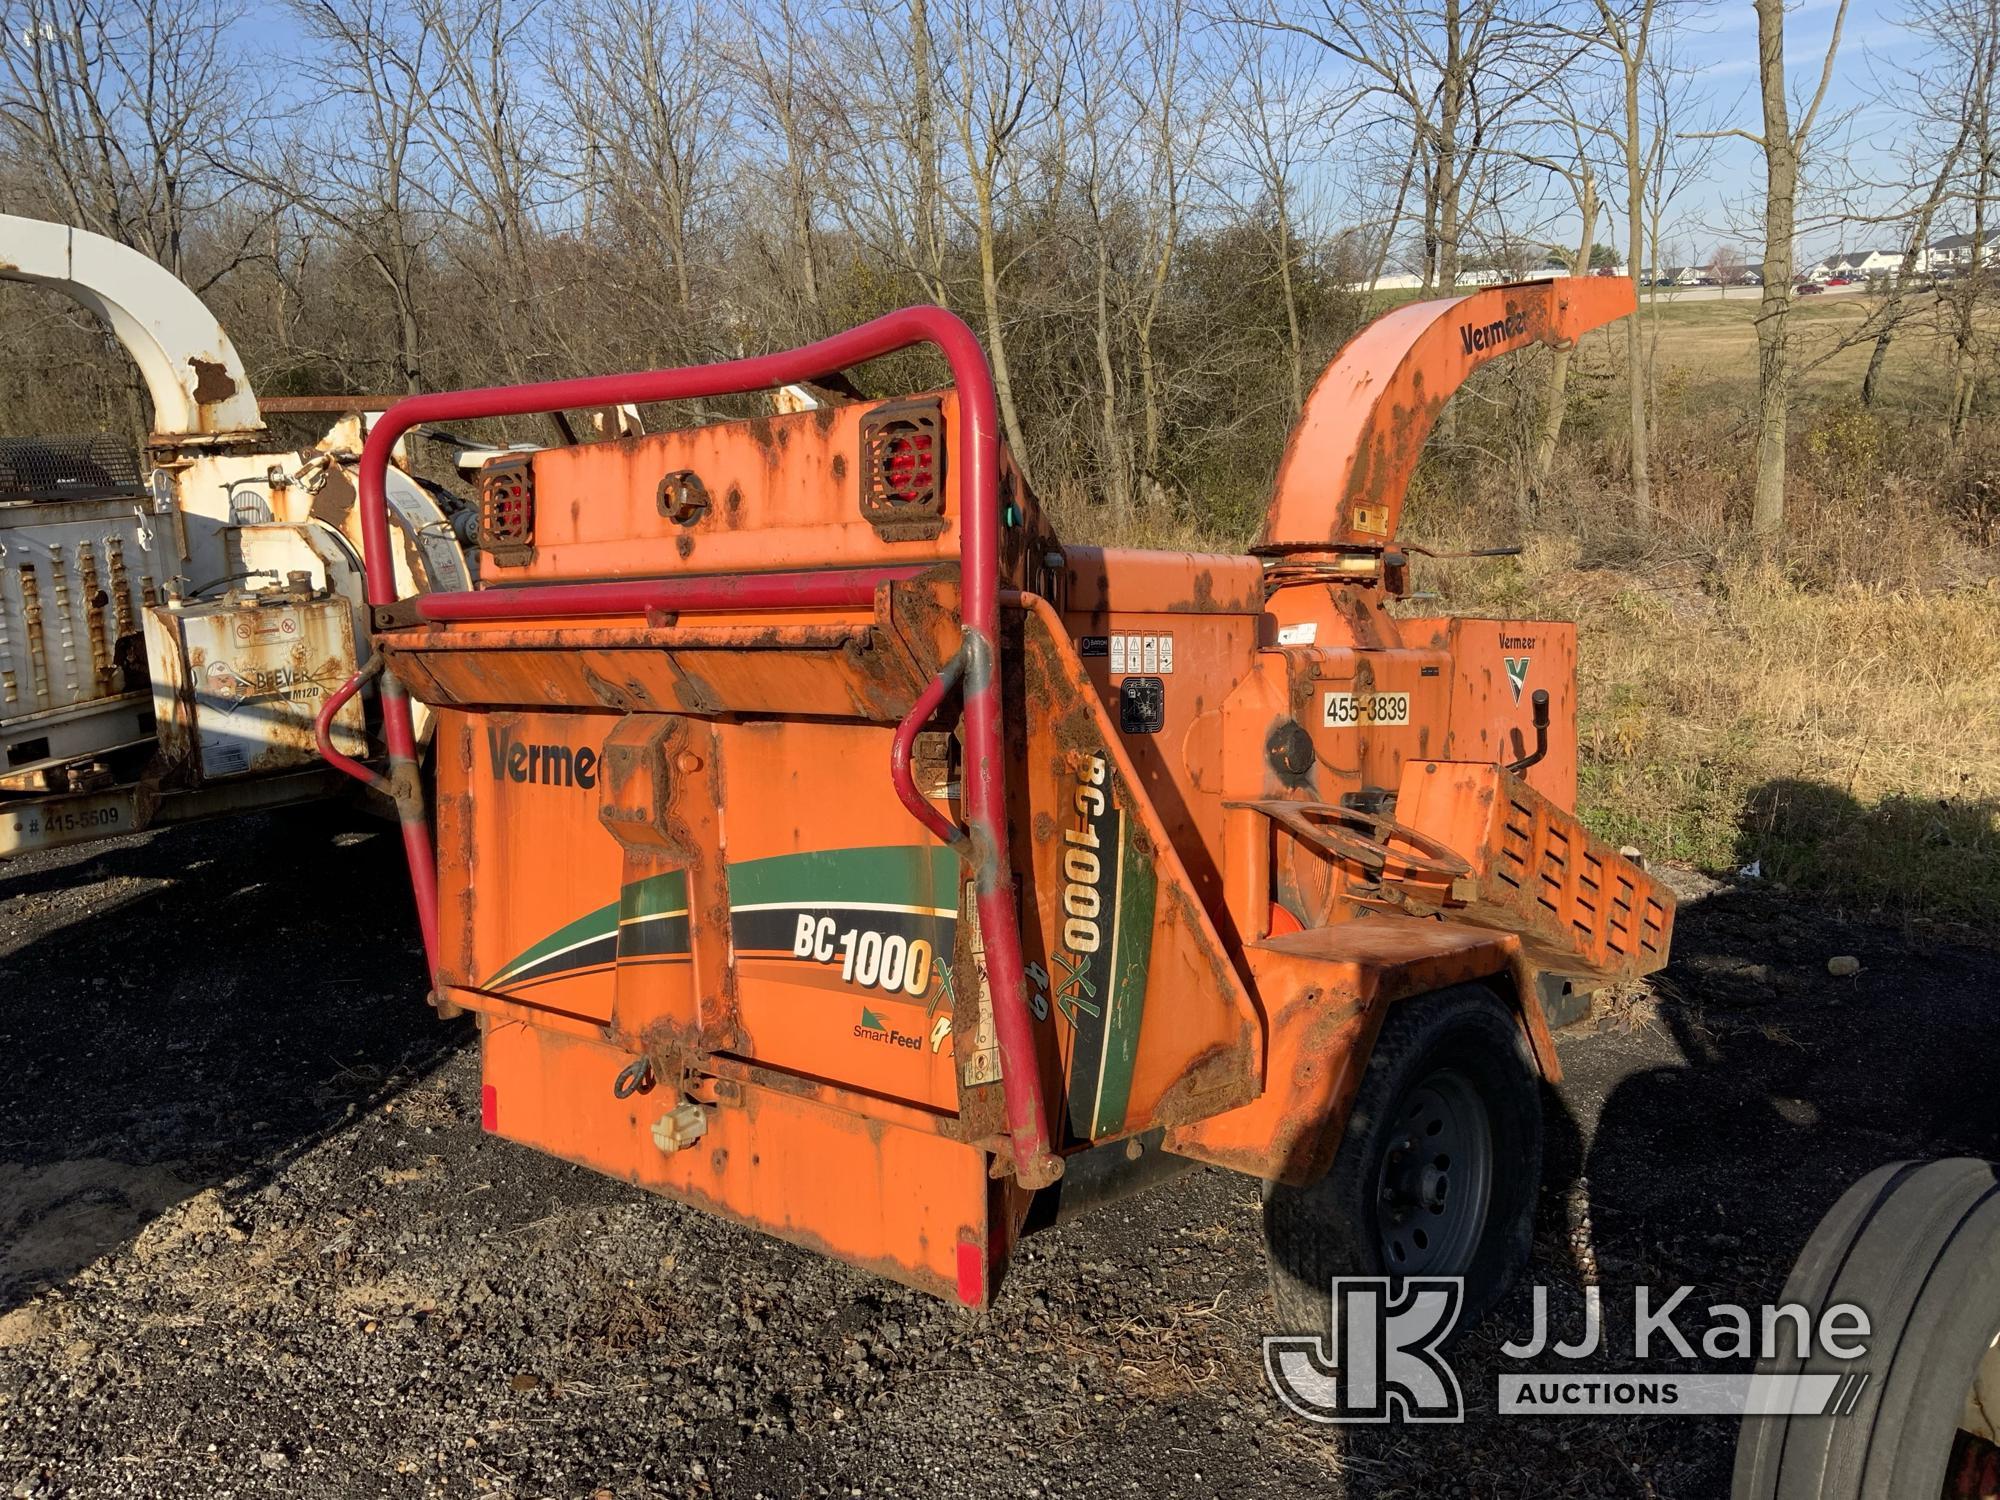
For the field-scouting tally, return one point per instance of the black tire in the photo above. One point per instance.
(1342, 1225)
(1917, 1247)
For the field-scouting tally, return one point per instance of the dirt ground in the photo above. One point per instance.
(253, 1241)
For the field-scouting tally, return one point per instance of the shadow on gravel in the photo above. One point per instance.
(189, 1012)
(1907, 856)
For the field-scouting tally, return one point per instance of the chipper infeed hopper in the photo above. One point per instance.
(823, 842)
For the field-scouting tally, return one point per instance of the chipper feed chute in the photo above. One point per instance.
(822, 842)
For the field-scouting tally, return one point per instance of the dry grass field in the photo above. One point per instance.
(1717, 341)
(1828, 708)
(1846, 741)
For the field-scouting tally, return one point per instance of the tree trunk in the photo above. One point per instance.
(1871, 379)
(930, 242)
(1556, 404)
(1920, 233)
(1781, 180)
(1294, 342)
(1637, 354)
(1396, 214)
(996, 340)
(802, 224)
(1118, 478)
(1451, 171)
(1965, 374)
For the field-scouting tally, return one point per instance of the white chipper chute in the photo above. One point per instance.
(191, 369)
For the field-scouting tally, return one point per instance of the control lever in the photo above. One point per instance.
(1541, 709)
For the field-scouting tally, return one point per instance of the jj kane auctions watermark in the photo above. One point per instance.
(1381, 1358)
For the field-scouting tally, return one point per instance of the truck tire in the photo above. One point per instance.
(1916, 1245)
(1437, 1171)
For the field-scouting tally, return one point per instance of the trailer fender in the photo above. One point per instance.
(1325, 992)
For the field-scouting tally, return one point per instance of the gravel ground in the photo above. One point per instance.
(253, 1241)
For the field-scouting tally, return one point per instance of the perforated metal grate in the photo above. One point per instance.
(79, 468)
(1574, 883)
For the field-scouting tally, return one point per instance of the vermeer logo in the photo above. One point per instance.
(551, 765)
(1474, 337)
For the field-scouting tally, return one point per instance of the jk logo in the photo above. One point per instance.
(1381, 1361)
(1517, 673)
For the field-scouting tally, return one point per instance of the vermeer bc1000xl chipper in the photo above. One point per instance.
(823, 842)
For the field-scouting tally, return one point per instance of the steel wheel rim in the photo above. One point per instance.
(1436, 1179)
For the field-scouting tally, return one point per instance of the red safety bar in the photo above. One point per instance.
(844, 589)
(979, 566)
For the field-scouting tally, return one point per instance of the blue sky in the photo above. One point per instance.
(1873, 47)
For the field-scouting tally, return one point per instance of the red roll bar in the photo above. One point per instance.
(977, 659)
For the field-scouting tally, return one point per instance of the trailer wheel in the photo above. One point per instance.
(1917, 1247)
(1437, 1170)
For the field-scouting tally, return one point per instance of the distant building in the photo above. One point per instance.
(1859, 265)
(1403, 281)
(1954, 251)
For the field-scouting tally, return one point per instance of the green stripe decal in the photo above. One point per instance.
(905, 874)
(652, 916)
(1131, 958)
(583, 932)
(905, 883)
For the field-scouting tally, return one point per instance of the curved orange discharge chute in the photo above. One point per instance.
(1357, 442)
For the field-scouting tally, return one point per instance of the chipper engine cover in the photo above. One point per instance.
(820, 841)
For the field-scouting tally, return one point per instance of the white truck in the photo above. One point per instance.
(173, 615)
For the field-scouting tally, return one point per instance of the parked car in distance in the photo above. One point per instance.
(1809, 289)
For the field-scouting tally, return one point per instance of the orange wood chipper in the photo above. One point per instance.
(823, 842)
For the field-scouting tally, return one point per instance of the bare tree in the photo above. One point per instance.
(1450, 71)
(652, 163)
(1098, 134)
(1628, 34)
(1969, 30)
(885, 145)
(1677, 159)
(998, 87)
(489, 138)
(1577, 168)
(1175, 110)
(785, 74)
(1783, 145)
(1278, 122)
(359, 163)
(132, 114)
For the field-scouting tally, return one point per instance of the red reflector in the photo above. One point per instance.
(489, 1117)
(971, 1274)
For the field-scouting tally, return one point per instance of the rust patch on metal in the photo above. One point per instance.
(335, 500)
(211, 381)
